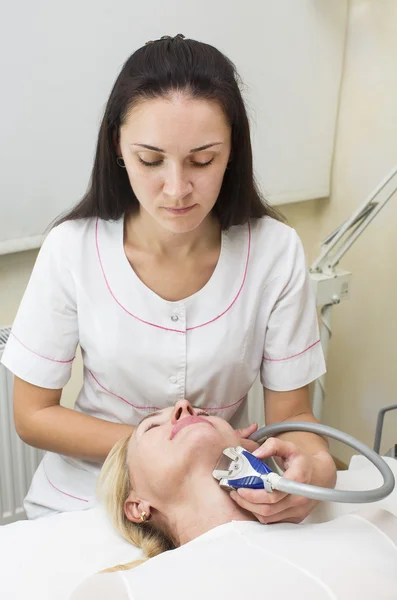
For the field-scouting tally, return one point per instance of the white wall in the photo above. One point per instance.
(362, 374)
(66, 55)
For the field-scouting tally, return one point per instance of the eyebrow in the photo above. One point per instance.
(156, 412)
(155, 149)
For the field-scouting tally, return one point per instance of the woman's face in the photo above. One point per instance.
(173, 445)
(176, 151)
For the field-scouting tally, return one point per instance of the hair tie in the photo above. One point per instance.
(179, 36)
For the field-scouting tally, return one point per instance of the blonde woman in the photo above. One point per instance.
(159, 490)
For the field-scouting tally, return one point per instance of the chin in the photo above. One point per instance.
(181, 224)
(206, 440)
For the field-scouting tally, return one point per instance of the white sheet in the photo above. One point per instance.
(48, 558)
(283, 561)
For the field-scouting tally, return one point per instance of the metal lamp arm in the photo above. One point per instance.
(334, 246)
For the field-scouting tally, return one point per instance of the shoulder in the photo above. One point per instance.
(274, 235)
(267, 233)
(70, 232)
(66, 243)
(276, 249)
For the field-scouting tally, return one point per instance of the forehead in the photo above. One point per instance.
(152, 414)
(155, 413)
(177, 115)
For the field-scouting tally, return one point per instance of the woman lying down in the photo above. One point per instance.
(159, 489)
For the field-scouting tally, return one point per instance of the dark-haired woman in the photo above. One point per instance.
(176, 280)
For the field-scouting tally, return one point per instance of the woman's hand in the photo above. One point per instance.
(275, 507)
(244, 433)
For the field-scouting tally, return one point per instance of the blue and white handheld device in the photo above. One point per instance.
(238, 468)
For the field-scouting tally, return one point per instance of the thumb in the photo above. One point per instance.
(276, 447)
(245, 432)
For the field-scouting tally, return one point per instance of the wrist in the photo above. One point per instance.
(325, 469)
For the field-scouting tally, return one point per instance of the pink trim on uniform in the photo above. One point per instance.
(62, 492)
(238, 293)
(169, 328)
(121, 398)
(114, 297)
(222, 407)
(40, 355)
(155, 408)
(294, 355)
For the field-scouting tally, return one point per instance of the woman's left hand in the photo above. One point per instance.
(275, 507)
(244, 434)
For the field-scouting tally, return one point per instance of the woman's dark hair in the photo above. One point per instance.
(154, 71)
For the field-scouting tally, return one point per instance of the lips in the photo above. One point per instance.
(179, 211)
(185, 422)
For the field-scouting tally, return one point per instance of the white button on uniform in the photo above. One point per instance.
(173, 379)
(174, 317)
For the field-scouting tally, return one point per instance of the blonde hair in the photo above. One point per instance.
(114, 486)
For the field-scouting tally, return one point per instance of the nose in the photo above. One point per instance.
(176, 184)
(182, 409)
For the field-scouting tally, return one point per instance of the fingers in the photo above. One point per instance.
(276, 447)
(249, 445)
(291, 508)
(245, 432)
(259, 496)
(290, 515)
(259, 506)
(275, 507)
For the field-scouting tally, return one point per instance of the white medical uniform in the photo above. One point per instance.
(353, 557)
(142, 353)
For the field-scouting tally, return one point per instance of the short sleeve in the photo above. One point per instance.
(104, 586)
(293, 354)
(44, 335)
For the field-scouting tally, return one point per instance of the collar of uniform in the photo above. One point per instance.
(133, 298)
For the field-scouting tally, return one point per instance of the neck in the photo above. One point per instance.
(143, 231)
(201, 506)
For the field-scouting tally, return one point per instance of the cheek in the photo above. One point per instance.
(228, 433)
(152, 455)
(144, 183)
(210, 184)
(158, 479)
(143, 471)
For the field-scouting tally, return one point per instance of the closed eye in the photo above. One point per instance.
(151, 426)
(150, 164)
(202, 412)
(156, 163)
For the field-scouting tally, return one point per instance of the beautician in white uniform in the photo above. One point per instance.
(175, 280)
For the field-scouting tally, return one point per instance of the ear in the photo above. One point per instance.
(134, 507)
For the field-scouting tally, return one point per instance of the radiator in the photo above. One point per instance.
(18, 461)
